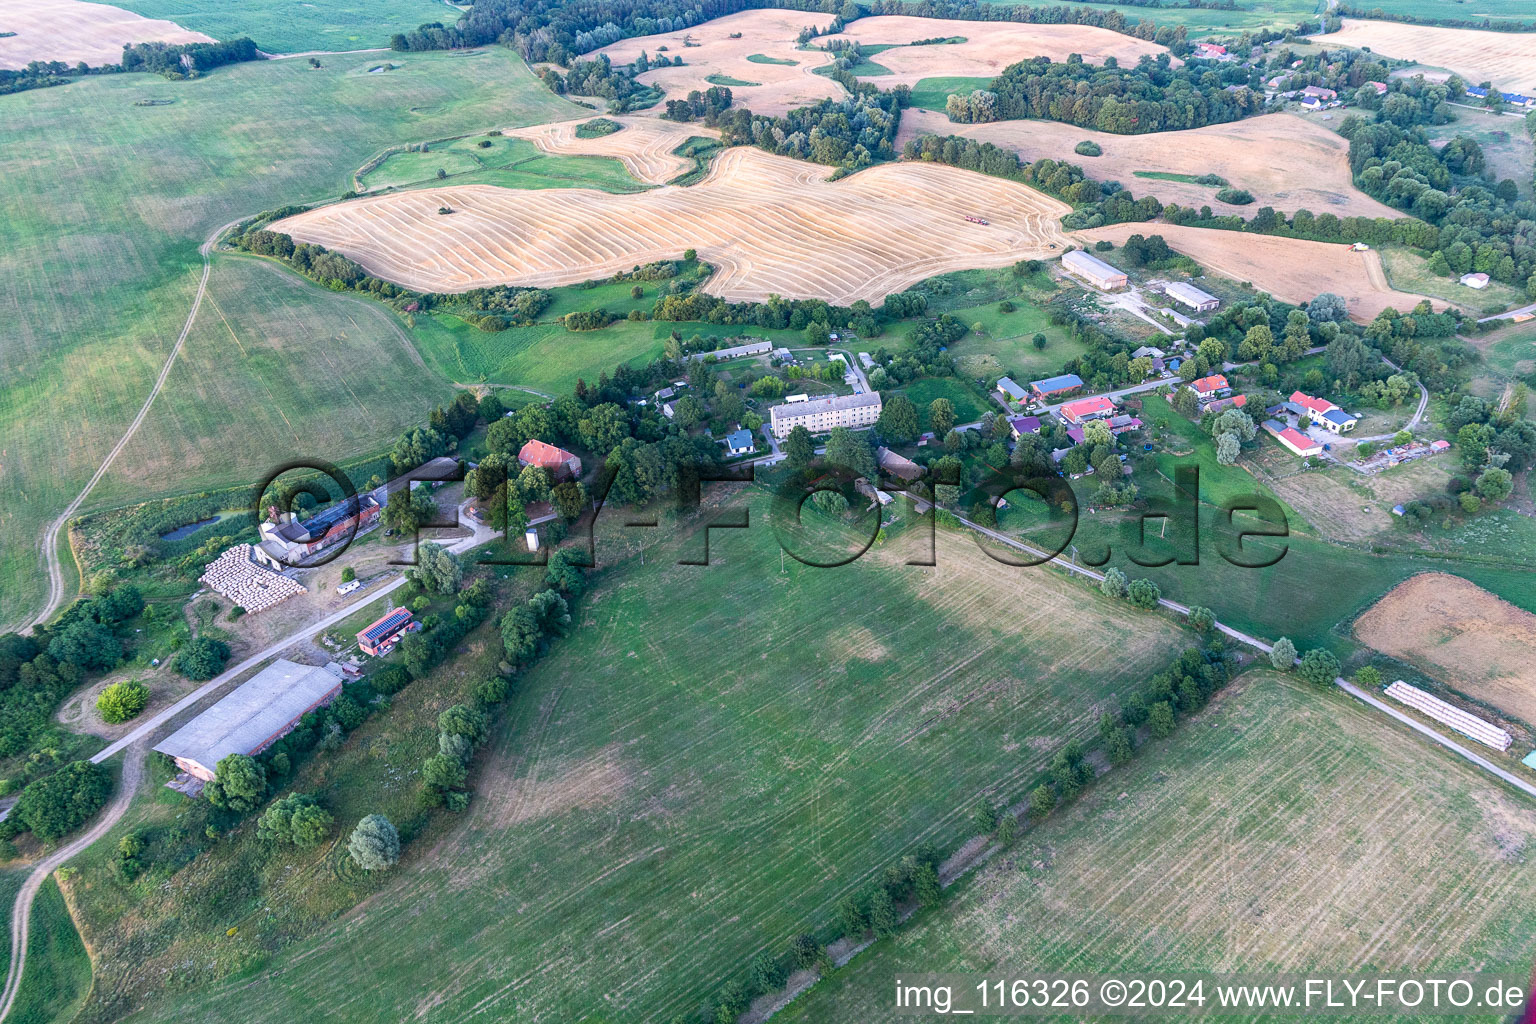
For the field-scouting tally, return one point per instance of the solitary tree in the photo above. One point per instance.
(799, 449)
(941, 415)
(1143, 594)
(1203, 619)
(1319, 667)
(1283, 656)
(898, 420)
(375, 843)
(1114, 583)
(122, 701)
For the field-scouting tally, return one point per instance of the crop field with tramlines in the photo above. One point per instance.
(1508, 59)
(1282, 829)
(672, 793)
(877, 231)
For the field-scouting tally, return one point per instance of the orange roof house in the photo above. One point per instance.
(1087, 409)
(561, 464)
(1207, 386)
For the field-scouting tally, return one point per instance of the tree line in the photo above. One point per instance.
(173, 60)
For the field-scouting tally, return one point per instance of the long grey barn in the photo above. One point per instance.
(253, 716)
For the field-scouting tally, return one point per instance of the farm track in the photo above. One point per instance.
(769, 224)
(21, 910)
(51, 535)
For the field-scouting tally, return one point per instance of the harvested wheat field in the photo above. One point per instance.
(769, 224)
(1456, 630)
(1508, 59)
(785, 82)
(71, 31)
(1290, 269)
(989, 47)
(644, 145)
(1286, 161)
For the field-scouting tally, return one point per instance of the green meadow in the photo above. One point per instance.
(685, 781)
(103, 205)
(294, 26)
(499, 160)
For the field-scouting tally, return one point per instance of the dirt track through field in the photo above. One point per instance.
(770, 225)
(71, 31)
(708, 50)
(1474, 640)
(1290, 269)
(1285, 160)
(1508, 59)
(644, 145)
(989, 46)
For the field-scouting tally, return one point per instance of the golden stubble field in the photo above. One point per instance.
(989, 46)
(778, 86)
(1290, 269)
(769, 224)
(1508, 59)
(1285, 160)
(644, 145)
(71, 31)
(722, 49)
(1459, 632)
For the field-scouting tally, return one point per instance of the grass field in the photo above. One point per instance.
(1250, 15)
(677, 787)
(1508, 354)
(276, 368)
(509, 162)
(1281, 830)
(58, 973)
(103, 205)
(1409, 272)
(546, 357)
(1496, 10)
(291, 26)
(968, 405)
(1507, 147)
(933, 93)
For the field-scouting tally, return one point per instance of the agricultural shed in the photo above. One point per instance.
(250, 718)
(1189, 295)
(1094, 270)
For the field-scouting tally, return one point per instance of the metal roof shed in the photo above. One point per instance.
(251, 717)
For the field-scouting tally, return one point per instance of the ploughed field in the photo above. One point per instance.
(1459, 632)
(71, 31)
(1290, 269)
(1508, 59)
(769, 224)
(1286, 161)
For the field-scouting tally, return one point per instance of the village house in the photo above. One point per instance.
(739, 442)
(1478, 281)
(1021, 425)
(1010, 391)
(898, 466)
(562, 465)
(1322, 412)
(1061, 385)
(379, 637)
(286, 540)
(1084, 409)
(1206, 388)
(1293, 439)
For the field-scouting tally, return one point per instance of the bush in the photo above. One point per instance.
(1319, 667)
(239, 784)
(295, 820)
(1235, 196)
(122, 701)
(375, 843)
(1088, 148)
(201, 659)
(55, 805)
(493, 690)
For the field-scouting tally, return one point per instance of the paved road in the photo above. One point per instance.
(135, 743)
(482, 534)
(51, 535)
(21, 910)
(1510, 314)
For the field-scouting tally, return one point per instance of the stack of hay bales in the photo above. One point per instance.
(255, 588)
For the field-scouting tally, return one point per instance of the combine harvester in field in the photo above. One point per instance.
(1464, 723)
(976, 220)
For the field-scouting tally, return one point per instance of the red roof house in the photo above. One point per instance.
(1087, 409)
(1315, 406)
(562, 465)
(1205, 387)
